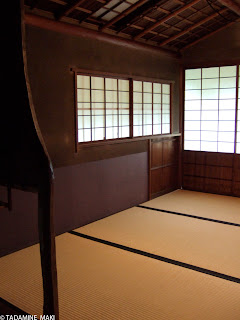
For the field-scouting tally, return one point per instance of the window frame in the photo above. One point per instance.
(237, 101)
(131, 138)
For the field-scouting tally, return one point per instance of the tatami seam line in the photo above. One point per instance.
(190, 216)
(157, 257)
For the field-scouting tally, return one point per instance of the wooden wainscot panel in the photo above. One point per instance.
(156, 154)
(200, 157)
(200, 170)
(236, 189)
(156, 181)
(189, 169)
(189, 156)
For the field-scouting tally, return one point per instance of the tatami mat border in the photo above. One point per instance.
(157, 257)
(190, 216)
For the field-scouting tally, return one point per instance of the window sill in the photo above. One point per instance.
(83, 145)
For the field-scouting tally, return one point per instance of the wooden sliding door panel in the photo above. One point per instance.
(163, 165)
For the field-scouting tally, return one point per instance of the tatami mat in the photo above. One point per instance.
(99, 282)
(201, 243)
(200, 204)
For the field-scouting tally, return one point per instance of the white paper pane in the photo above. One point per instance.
(166, 88)
(124, 132)
(157, 119)
(137, 97)
(192, 84)
(111, 96)
(137, 86)
(166, 98)
(137, 119)
(227, 126)
(193, 74)
(83, 95)
(111, 84)
(227, 115)
(225, 147)
(166, 128)
(98, 121)
(83, 82)
(84, 122)
(147, 130)
(228, 82)
(147, 108)
(137, 108)
(226, 136)
(85, 135)
(156, 129)
(166, 118)
(157, 108)
(147, 119)
(123, 97)
(157, 98)
(208, 146)
(210, 94)
(98, 134)
(192, 115)
(124, 107)
(124, 120)
(85, 106)
(97, 96)
(210, 104)
(192, 135)
(156, 88)
(97, 83)
(112, 133)
(192, 125)
(209, 115)
(210, 83)
(209, 135)
(238, 136)
(192, 94)
(111, 107)
(166, 108)
(210, 72)
(147, 87)
(238, 148)
(227, 104)
(193, 105)
(192, 145)
(147, 98)
(137, 131)
(123, 85)
(209, 125)
(84, 112)
(228, 71)
(227, 93)
(111, 120)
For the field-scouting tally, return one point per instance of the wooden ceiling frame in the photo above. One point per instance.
(123, 14)
(191, 27)
(155, 25)
(69, 9)
(207, 35)
(232, 5)
(92, 12)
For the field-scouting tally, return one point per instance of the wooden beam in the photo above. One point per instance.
(232, 5)
(207, 35)
(71, 29)
(158, 23)
(191, 28)
(123, 14)
(68, 10)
